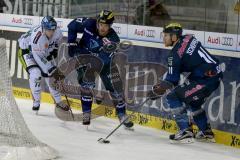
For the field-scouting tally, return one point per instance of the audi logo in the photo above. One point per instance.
(28, 21)
(227, 41)
(150, 33)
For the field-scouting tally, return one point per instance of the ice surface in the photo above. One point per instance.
(75, 142)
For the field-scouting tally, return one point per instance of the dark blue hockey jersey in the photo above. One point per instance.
(188, 55)
(91, 41)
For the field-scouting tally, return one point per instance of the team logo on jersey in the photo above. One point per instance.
(93, 44)
(193, 90)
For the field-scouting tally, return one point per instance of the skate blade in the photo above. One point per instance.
(129, 128)
(206, 140)
(183, 141)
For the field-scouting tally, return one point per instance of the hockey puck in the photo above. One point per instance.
(102, 140)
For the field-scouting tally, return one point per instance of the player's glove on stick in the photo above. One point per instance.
(159, 89)
(58, 75)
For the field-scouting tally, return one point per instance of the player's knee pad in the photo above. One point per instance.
(172, 102)
(165, 102)
(35, 84)
(34, 73)
(35, 79)
(86, 103)
(177, 109)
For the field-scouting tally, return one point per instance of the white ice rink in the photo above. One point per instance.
(74, 142)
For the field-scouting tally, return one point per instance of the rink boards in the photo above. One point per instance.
(222, 107)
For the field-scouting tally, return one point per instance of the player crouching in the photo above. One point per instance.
(38, 49)
(188, 55)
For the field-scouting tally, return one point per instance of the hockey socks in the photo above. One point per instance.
(86, 108)
(121, 113)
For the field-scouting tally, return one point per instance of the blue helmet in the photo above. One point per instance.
(49, 23)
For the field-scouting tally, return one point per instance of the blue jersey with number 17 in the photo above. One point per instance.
(91, 41)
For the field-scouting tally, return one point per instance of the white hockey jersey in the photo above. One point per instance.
(41, 47)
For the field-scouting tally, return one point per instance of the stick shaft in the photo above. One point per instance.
(126, 118)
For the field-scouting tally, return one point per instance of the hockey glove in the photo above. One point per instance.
(159, 89)
(109, 46)
(58, 75)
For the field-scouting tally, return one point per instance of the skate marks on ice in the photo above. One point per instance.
(74, 142)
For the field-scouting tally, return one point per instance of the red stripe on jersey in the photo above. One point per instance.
(36, 38)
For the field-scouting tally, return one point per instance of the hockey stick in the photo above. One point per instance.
(70, 109)
(78, 117)
(105, 140)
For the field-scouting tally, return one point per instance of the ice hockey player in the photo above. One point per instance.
(188, 55)
(97, 33)
(38, 49)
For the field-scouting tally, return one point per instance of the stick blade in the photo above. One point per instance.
(102, 140)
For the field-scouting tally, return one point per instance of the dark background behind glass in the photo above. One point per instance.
(204, 15)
